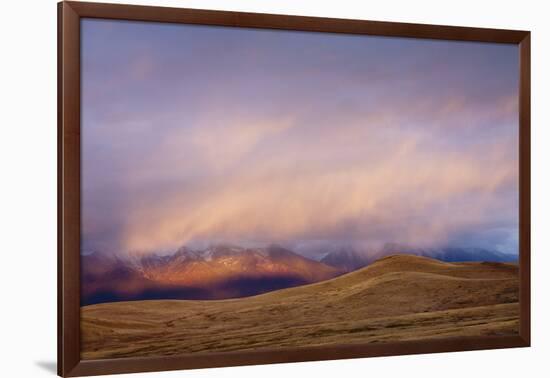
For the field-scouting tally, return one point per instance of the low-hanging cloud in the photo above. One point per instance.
(247, 151)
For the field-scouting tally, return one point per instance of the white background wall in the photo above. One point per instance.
(28, 186)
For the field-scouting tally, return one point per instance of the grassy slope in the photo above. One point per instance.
(396, 298)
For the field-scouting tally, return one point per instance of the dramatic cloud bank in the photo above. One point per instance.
(197, 135)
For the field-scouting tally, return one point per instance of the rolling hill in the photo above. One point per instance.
(350, 259)
(398, 297)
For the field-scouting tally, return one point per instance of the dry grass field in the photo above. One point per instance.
(399, 297)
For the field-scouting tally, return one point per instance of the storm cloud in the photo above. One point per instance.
(195, 134)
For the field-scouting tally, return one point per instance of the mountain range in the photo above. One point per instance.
(227, 271)
(218, 272)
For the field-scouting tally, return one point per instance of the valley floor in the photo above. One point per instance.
(397, 298)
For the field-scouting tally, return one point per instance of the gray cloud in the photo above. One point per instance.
(201, 134)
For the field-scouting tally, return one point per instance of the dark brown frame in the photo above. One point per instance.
(69, 15)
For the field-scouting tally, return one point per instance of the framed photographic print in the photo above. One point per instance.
(239, 188)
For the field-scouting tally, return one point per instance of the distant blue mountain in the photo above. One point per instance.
(350, 259)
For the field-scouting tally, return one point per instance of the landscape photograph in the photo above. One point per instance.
(253, 189)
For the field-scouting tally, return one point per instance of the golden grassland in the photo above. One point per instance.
(397, 298)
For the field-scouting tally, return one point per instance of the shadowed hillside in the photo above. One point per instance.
(399, 297)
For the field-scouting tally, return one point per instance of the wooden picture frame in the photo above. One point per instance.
(69, 174)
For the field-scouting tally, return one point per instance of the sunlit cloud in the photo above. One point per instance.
(243, 136)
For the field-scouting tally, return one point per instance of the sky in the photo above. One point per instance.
(196, 135)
